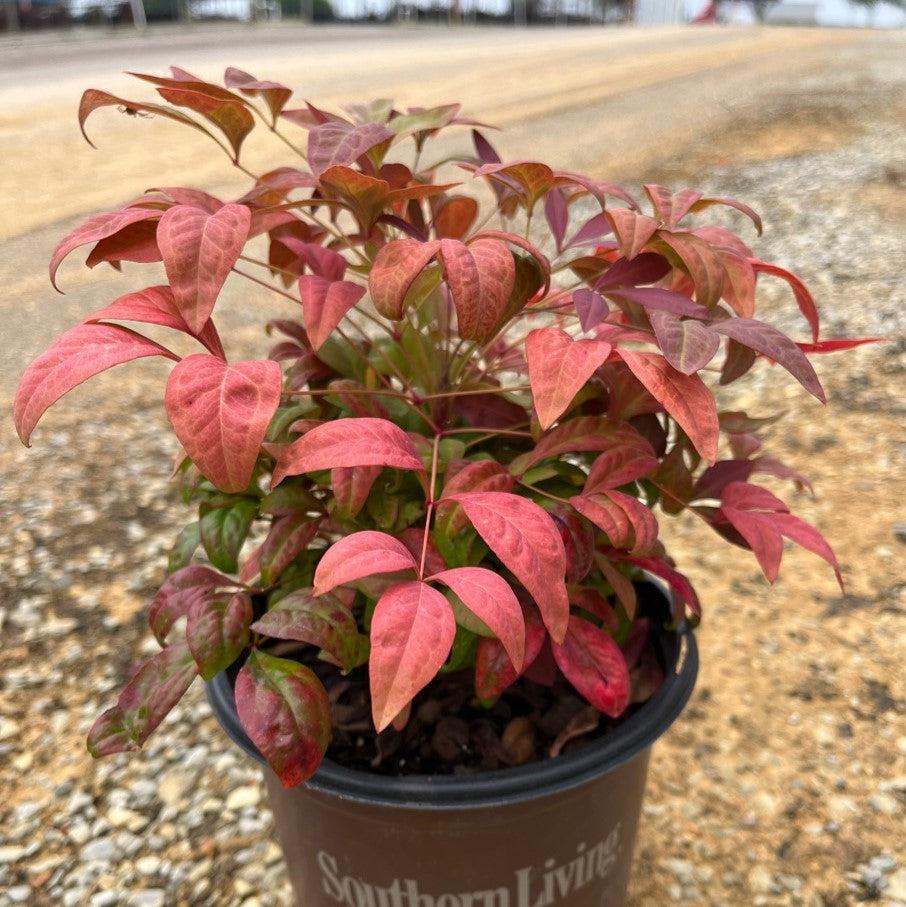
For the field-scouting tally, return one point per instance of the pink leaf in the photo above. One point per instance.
(360, 555)
(704, 203)
(685, 397)
(480, 475)
(289, 536)
(593, 663)
(686, 344)
(199, 250)
(490, 598)
(395, 269)
(809, 538)
(79, 354)
(286, 712)
(767, 340)
(348, 442)
(671, 207)
(412, 631)
(338, 143)
(620, 464)
(527, 542)
(633, 230)
(156, 306)
(701, 262)
(96, 228)
(220, 414)
(325, 303)
(494, 671)
(590, 307)
(558, 369)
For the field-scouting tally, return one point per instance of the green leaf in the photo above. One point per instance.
(217, 631)
(184, 547)
(224, 530)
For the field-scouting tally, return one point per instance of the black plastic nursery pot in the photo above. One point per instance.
(558, 832)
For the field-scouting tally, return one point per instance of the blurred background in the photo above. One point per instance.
(785, 781)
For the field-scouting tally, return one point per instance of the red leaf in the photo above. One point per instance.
(800, 291)
(351, 486)
(558, 369)
(660, 567)
(647, 267)
(324, 622)
(671, 207)
(455, 217)
(686, 344)
(701, 262)
(217, 631)
(527, 542)
(95, 229)
(657, 298)
(137, 242)
(275, 95)
(809, 538)
(179, 593)
(348, 442)
(412, 631)
(289, 536)
(627, 522)
(633, 230)
(530, 178)
(767, 340)
(395, 269)
(92, 99)
(230, 116)
(739, 285)
(490, 598)
(79, 354)
(583, 434)
(704, 203)
(833, 346)
(685, 397)
(620, 464)
(593, 663)
(199, 250)
(220, 414)
(360, 555)
(325, 303)
(338, 143)
(494, 671)
(156, 306)
(286, 712)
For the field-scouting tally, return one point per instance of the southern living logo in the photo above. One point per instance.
(531, 886)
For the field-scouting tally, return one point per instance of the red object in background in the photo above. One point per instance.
(707, 15)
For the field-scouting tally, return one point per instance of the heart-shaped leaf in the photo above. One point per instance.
(199, 250)
(627, 522)
(412, 632)
(394, 271)
(286, 712)
(559, 368)
(221, 412)
(341, 143)
(325, 303)
(633, 230)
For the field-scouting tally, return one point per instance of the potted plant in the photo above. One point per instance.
(424, 583)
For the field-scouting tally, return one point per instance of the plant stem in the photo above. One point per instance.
(429, 510)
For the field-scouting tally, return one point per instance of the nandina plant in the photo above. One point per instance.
(454, 459)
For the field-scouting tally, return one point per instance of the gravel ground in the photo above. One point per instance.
(785, 781)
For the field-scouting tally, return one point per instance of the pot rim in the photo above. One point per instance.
(506, 785)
